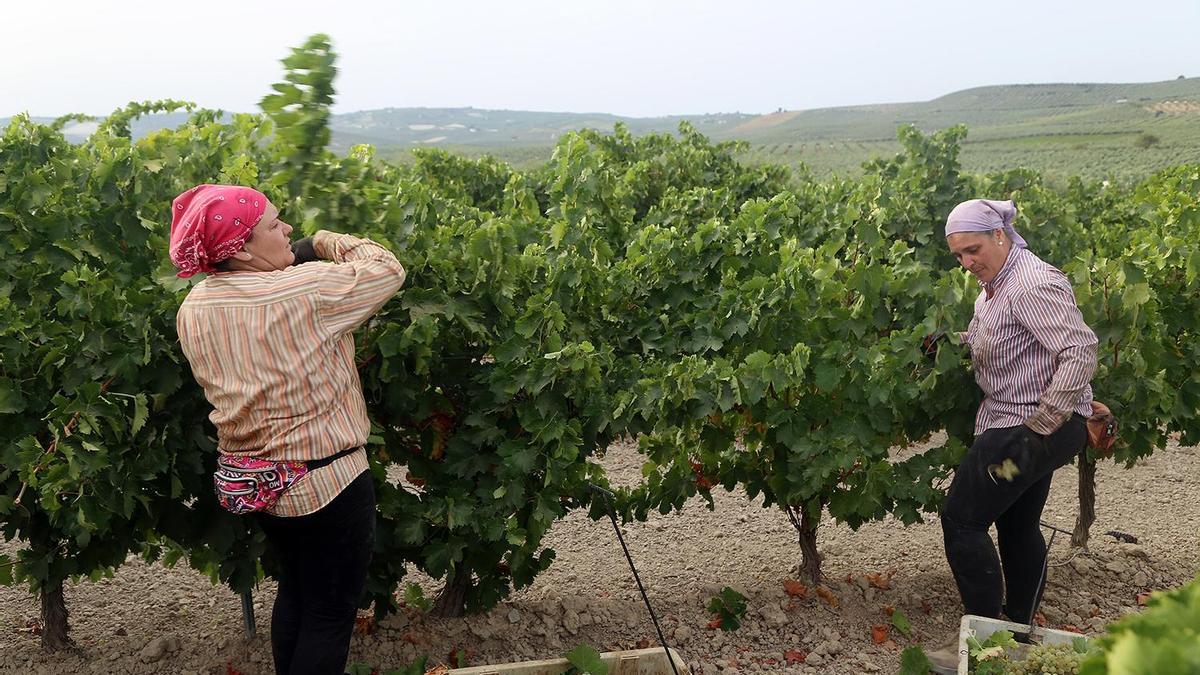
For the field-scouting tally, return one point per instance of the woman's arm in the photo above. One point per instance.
(1050, 313)
(367, 276)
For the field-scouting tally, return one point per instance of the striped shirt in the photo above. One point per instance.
(1031, 351)
(274, 352)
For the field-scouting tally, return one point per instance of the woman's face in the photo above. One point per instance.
(270, 242)
(982, 253)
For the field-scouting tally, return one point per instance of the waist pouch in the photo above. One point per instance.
(249, 484)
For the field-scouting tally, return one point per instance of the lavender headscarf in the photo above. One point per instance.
(984, 215)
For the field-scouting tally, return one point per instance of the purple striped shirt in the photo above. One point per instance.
(1031, 351)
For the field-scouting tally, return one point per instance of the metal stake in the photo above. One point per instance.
(248, 615)
(605, 495)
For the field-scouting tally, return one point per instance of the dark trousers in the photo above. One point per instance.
(980, 497)
(323, 568)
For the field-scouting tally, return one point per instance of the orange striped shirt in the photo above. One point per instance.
(274, 352)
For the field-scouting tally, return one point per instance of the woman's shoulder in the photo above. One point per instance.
(1037, 274)
(254, 287)
(1032, 272)
(195, 293)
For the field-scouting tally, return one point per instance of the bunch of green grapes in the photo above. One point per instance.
(1060, 659)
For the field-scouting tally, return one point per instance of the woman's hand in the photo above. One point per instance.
(304, 251)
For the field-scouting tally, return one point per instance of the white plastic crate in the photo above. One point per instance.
(630, 662)
(982, 628)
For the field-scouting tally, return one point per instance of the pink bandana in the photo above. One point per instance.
(210, 223)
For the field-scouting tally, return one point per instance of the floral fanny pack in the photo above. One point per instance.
(249, 484)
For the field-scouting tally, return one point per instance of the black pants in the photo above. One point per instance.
(323, 558)
(979, 497)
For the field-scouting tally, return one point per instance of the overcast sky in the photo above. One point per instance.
(632, 58)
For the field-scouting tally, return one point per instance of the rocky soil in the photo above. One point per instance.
(151, 619)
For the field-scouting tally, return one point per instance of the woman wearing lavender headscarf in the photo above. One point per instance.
(1033, 356)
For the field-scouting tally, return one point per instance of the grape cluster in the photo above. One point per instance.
(1060, 659)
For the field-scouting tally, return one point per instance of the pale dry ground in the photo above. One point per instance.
(588, 595)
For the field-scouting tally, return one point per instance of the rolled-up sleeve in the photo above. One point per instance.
(1049, 312)
(365, 276)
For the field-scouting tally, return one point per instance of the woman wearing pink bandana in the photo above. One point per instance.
(270, 341)
(1033, 356)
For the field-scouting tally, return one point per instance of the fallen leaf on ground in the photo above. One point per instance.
(714, 624)
(1040, 619)
(439, 669)
(880, 581)
(888, 609)
(1071, 628)
(1142, 598)
(795, 589)
(828, 596)
(793, 656)
(644, 643)
(364, 625)
(879, 633)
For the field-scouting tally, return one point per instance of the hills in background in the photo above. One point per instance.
(990, 112)
(1097, 130)
(417, 127)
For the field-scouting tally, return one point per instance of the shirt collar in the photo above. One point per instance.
(1005, 272)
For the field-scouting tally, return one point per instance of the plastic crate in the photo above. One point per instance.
(630, 662)
(982, 628)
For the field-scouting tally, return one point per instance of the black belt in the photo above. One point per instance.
(314, 464)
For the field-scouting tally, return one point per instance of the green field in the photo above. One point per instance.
(1100, 131)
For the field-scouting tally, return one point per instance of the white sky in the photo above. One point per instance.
(637, 58)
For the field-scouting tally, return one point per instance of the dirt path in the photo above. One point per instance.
(149, 619)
